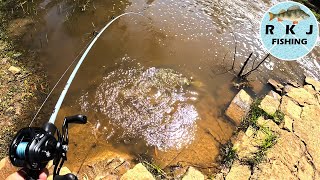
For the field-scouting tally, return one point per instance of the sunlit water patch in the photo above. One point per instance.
(151, 103)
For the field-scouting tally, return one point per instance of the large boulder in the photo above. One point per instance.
(193, 174)
(288, 149)
(302, 96)
(274, 169)
(139, 172)
(308, 129)
(239, 107)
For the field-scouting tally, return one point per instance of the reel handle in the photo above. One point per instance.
(77, 119)
(32, 174)
(65, 177)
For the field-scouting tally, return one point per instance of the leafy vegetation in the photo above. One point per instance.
(278, 117)
(269, 141)
(253, 115)
(229, 154)
(154, 169)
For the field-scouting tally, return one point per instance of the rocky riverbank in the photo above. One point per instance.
(22, 81)
(278, 138)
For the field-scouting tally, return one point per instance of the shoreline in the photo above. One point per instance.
(23, 83)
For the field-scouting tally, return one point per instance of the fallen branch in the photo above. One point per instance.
(244, 65)
(248, 73)
(235, 50)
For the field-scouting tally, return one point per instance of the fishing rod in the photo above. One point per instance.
(33, 147)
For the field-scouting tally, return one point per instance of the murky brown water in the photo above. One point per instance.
(155, 85)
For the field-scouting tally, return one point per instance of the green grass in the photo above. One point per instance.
(229, 154)
(154, 169)
(256, 112)
(278, 117)
(268, 142)
(253, 115)
(270, 139)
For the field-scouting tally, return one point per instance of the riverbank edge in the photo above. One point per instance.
(23, 82)
(278, 136)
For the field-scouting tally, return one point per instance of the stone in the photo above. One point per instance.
(287, 88)
(245, 146)
(288, 149)
(239, 107)
(313, 82)
(179, 172)
(305, 169)
(14, 70)
(274, 95)
(269, 104)
(100, 167)
(4, 61)
(293, 83)
(274, 169)
(287, 124)
(239, 172)
(269, 124)
(310, 89)
(6, 168)
(139, 172)
(219, 176)
(318, 97)
(250, 131)
(308, 129)
(289, 108)
(277, 86)
(193, 174)
(302, 96)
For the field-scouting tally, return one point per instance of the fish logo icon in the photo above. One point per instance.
(289, 31)
(293, 13)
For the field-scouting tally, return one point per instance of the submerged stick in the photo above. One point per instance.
(244, 65)
(248, 73)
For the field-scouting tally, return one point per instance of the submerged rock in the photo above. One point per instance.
(277, 86)
(139, 172)
(239, 107)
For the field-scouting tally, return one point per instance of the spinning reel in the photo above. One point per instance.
(33, 148)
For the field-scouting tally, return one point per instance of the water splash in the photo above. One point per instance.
(150, 103)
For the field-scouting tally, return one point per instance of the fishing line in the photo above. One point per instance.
(74, 72)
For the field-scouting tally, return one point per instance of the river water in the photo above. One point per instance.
(155, 85)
